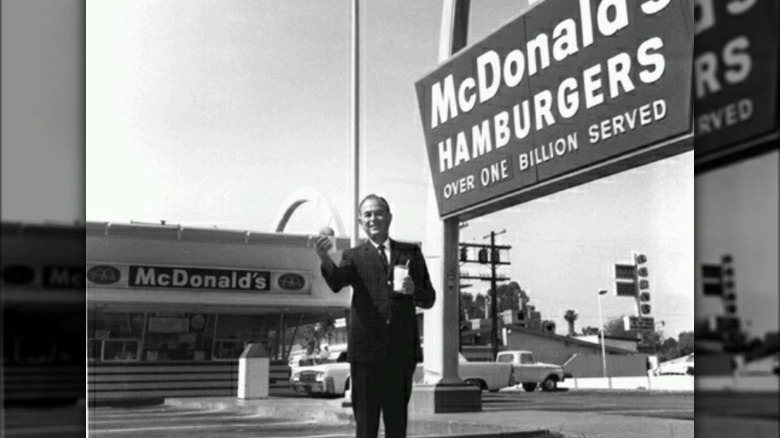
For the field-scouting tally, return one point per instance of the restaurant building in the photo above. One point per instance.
(171, 308)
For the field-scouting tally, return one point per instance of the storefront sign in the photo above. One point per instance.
(194, 278)
(567, 85)
(36, 276)
(183, 278)
(735, 72)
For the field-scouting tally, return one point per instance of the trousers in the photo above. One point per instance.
(381, 388)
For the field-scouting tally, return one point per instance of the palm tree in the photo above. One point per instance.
(570, 316)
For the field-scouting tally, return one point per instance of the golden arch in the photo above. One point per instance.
(302, 196)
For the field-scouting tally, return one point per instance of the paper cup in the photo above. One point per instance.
(399, 273)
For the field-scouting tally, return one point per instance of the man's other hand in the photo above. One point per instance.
(322, 245)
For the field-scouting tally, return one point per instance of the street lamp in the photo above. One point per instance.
(601, 324)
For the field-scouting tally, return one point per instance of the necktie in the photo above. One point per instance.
(383, 257)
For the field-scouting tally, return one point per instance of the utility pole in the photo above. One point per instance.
(488, 254)
(493, 300)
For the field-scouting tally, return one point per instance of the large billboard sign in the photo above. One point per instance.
(567, 85)
(735, 73)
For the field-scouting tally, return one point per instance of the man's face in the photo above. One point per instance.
(375, 220)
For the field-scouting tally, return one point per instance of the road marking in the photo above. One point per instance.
(202, 426)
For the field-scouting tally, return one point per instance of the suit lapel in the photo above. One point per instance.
(373, 255)
(395, 256)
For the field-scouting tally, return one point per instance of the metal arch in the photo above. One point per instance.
(300, 197)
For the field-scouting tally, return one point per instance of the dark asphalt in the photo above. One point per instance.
(761, 406)
(44, 422)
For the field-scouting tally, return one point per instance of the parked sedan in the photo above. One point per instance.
(327, 378)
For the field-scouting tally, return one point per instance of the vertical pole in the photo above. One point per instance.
(493, 299)
(603, 348)
(355, 133)
(440, 325)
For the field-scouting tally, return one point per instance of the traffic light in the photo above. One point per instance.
(642, 284)
(464, 254)
(729, 288)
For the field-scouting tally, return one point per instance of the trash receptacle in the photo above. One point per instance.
(253, 372)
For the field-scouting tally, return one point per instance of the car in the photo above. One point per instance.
(487, 376)
(332, 378)
(328, 378)
(678, 366)
(530, 373)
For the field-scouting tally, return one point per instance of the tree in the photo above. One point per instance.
(590, 331)
(570, 316)
(510, 296)
(480, 306)
(669, 349)
(469, 307)
(685, 343)
(311, 335)
(614, 327)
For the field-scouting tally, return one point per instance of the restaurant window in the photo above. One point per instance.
(232, 333)
(115, 336)
(178, 337)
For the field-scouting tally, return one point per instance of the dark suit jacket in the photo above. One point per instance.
(382, 323)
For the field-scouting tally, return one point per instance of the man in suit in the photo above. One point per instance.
(383, 338)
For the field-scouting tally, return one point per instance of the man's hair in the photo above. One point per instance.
(376, 198)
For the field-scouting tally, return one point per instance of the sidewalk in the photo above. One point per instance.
(330, 412)
(486, 424)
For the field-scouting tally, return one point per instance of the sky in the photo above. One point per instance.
(213, 113)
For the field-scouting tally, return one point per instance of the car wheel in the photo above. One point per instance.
(529, 387)
(476, 383)
(550, 384)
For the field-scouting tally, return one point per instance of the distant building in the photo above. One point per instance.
(625, 343)
(579, 358)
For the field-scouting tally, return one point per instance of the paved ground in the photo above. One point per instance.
(662, 405)
(756, 405)
(581, 413)
(44, 422)
(728, 414)
(574, 413)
